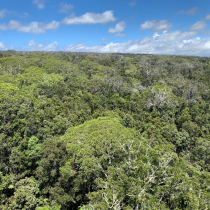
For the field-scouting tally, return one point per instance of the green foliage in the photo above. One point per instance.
(104, 131)
(25, 195)
(84, 208)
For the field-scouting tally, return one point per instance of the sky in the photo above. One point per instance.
(175, 27)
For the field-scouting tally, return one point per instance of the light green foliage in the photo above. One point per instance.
(56, 66)
(93, 147)
(25, 195)
(35, 74)
(84, 208)
(7, 91)
(56, 207)
(185, 116)
(33, 153)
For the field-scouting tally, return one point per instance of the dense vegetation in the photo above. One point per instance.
(104, 131)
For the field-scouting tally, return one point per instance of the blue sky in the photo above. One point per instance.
(133, 26)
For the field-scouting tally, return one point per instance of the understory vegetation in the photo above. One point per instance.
(104, 131)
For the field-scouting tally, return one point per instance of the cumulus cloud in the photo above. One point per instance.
(207, 17)
(31, 43)
(191, 11)
(90, 18)
(52, 25)
(65, 8)
(33, 27)
(175, 36)
(10, 26)
(118, 28)
(39, 3)
(198, 26)
(13, 24)
(34, 46)
(120, 35)
(2, 45)
(156, 25)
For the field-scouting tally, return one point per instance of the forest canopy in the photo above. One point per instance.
(104, 131)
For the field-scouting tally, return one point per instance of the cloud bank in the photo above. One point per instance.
(195, 46)
(172, 43)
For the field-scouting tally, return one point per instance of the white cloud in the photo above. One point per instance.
(90, 18)
(120, 35)
(198, 26)
(51, 47)
(13, 24)
(207, 17)
(2, 45)
(176, 36)
(3, 13)
(10, 26)
(39, 3)
(33, 46)
(156, 25)
(3, 27)
(156, 35)
(65, 8)
(148, 45)
(181, 43)
(133, 3)
(52, 25)
(174, 43)
(33, 27)
(105, 39)
(31, 43)
(118, 28)
(191, 11)
(187, 41)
